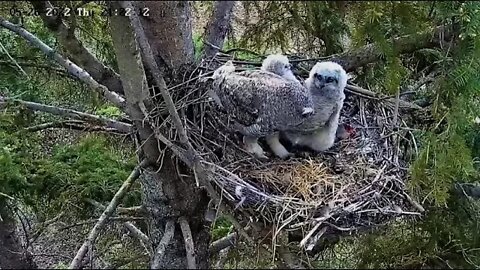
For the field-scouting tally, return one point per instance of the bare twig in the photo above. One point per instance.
(167, 237)
(120, 126)
(134, 210)
(107, 213)
(72, 124)
(77, 71)
(369, 94)
(14, 61)
(137, 233)
(189, 247)
(95, 220)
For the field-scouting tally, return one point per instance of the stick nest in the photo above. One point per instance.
(360, 182)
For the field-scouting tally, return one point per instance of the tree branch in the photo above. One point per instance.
(69, 65)
(134, 210)
(189, 247)
(369, 94)
(222, 243)
(217, 27)
(76, 262)
(77, 52)
(369, 53)
(59, 71)
(110, 123)
(137, 233)
(160, 252)
(70, 124)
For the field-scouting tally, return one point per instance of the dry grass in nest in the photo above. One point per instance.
(310, 180)
(358, 183)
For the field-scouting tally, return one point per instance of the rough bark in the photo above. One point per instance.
(77, 52)
(169, 31)
(217, 27)
(12, 254)
(166, 196)
(135, 84)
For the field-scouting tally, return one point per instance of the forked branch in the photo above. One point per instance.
(77, 261)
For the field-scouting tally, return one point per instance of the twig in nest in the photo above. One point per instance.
(76, 262)
(189, 246)
(167, 237)
(309, 234)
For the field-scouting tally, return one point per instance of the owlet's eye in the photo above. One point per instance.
(330, 79)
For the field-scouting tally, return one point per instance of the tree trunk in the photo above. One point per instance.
(169, 31)
(12, 254)
(217, 27)
(166, 195)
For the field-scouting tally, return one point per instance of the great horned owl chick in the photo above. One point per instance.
(260, 103)
(280, 65)
(326, 83)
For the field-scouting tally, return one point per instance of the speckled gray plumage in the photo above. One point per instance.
(261, 102)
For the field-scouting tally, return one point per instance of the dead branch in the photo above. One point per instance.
(167, 237)
(107, 213)
(94, 220)
(71, 124)
(94, 119)
(369, 94)
(72, 68)
(223, 243)
(134, 210)
(14, 62)
(77, 52)
(189, 246)
(468, 189)
(142, 238)
(137, 233)
(217, 27)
